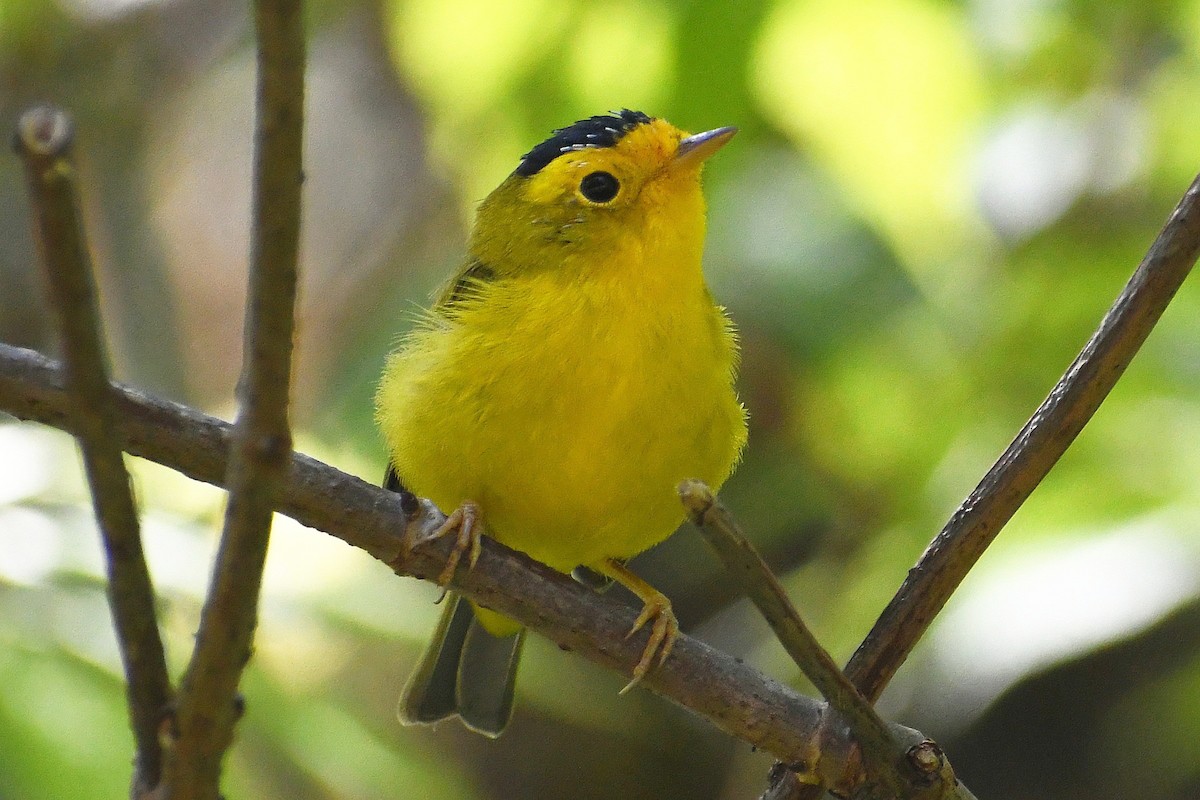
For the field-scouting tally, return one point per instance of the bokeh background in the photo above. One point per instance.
(929, 207)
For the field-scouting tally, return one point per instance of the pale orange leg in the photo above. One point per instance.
(466, 525)
(656, 607)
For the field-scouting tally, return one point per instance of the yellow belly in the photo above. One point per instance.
(570, 422)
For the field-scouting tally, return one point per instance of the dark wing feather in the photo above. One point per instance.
(392, 482)
(464, 286)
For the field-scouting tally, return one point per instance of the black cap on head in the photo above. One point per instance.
(602, 130)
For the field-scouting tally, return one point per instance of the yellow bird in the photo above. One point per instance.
(569, 376)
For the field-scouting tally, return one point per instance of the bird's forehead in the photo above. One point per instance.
(650, 145)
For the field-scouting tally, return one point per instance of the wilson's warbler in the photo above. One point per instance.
(570, 375)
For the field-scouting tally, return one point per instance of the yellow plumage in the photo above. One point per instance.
(577, 368)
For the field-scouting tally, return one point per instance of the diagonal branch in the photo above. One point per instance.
(262, 445)
(733, 696)
(1036, 448)
(1026, 461)
(742, 561)
(43, 139)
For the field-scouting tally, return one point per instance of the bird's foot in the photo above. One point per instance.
(465, 524)
(663, 633)
(656, 607)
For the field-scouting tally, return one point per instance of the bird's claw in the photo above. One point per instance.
(663, 633)
(465, 525)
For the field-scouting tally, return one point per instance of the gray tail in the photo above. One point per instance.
(465, 671)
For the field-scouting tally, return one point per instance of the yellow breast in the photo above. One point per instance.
(568, 410)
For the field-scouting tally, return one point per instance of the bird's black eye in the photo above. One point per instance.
(599, 187)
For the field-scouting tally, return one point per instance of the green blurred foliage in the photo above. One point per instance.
(928, 209)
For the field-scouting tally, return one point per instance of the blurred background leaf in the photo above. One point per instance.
(929, 207)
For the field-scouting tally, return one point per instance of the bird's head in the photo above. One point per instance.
(606, 190)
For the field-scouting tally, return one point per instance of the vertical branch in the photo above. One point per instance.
(261, 448)
(43, 139)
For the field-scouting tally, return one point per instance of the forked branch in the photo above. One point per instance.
(1027, 460)
(733, 696)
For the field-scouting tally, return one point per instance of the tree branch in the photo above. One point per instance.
(1036, 448)
(262, 444)
(43, 140)
(1027, 460)
(758, 582)
(736, 698)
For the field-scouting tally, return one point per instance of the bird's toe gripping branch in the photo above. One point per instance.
(465, 524)
(656, 607)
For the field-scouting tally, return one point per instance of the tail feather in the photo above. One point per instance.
(465, 671)
(429, 695)
(487, 676)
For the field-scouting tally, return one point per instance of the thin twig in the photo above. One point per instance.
(758, 582)
(1033, 452)
(733, 696)
(261, 448)
(43, 139)
(1026, 461)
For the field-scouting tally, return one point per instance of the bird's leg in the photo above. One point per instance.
(465, 523)
(656, 607)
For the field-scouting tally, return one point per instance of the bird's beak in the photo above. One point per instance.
(695, 149)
